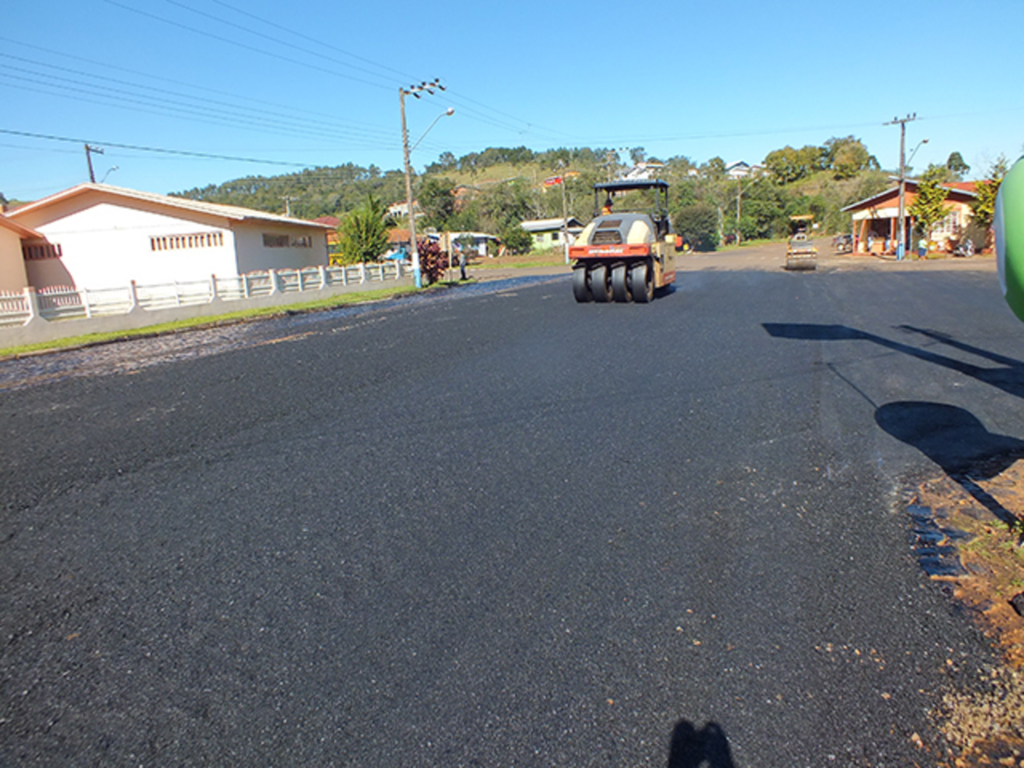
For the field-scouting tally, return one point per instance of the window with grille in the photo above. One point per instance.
(40, 251)
(287, 241)
(178, 242)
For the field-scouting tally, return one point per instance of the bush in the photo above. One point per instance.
(433, 261)
(698, 223)
(516, 239)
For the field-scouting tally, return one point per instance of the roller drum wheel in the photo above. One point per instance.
(580, 289)
(600, 284)
(641, 280)
(620, 283)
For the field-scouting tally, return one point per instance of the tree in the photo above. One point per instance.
(846, 157)
(930, 206)
(637, 155)
(983, 207)
(713, 169)
(787, 165)
(436, 200)
(363, 233)
(698, 223)
(516, 239)
(957, 166)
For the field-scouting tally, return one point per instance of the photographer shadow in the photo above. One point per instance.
(704, 748)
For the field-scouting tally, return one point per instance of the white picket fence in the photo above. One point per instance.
(65, 303)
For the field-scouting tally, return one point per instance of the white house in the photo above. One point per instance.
(547, 233)
(99, 236)
(13, 237)
(741, 170)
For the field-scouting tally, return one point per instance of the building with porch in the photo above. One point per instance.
(875, 220)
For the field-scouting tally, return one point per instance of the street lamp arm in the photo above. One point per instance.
(449, 111)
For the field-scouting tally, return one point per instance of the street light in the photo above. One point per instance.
(415, 90)
(911, 158)
(112, 169)
(447, 113)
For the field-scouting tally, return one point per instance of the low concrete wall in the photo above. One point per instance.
(37, 329)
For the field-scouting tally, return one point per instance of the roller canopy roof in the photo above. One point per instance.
(622, 186)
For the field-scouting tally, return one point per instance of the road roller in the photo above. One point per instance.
(625, 255)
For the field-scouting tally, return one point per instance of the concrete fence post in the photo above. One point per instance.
(245, 285)
(84, 296)
(323, 277)
(31, 304)
(213, 288)
(273, 281)
(362, 272)
(133, 296)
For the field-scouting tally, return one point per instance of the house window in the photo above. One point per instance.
(40, 251)
(177, 242)
(287, 241)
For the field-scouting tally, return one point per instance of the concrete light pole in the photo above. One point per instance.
(414, 90)
(902, 242)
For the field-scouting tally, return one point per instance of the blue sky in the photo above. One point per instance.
(312, 83)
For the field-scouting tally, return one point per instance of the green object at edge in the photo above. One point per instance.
(1008, 224)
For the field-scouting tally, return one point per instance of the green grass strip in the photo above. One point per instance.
(207, 321)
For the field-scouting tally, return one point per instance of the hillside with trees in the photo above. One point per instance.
(493, 190)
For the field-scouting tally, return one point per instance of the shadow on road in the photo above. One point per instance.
(955, 440)
(952, 437)
(704, 748)
(1009, 378)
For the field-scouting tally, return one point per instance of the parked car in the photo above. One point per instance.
(842, 243)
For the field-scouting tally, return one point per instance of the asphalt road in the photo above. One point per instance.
(501, 529)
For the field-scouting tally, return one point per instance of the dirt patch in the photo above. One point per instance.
(979, 520)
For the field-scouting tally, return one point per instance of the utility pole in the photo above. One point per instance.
(88, 159)
(288, 205)
(739, 189)
(413, 90)
(902, 242)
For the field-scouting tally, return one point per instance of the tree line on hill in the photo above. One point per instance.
(494, 190)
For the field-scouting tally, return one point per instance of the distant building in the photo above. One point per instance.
(741, 170)
(332, 233)
(547, 233)
(100, 236)
(644, 171)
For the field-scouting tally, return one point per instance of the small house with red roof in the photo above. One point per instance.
(875, 220)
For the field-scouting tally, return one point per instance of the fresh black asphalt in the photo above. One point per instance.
(499, 528)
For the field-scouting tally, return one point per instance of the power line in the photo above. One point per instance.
(457, 97)
(161, 150)
(262, 35)
(237, 44)
(163, 79)
(404, 75)
(171, 108)
(156, 110)
(219, 105)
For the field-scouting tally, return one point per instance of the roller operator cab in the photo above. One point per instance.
(625, 256)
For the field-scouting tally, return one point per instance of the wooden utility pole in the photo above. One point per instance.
(739, 189)
(902, 242)
(88, 159)
(413, 90)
